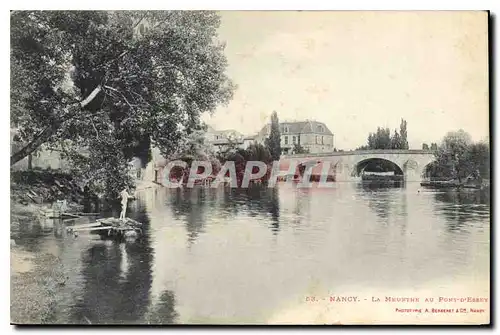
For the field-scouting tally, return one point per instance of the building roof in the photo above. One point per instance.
(300, 127)
(224, 141)
(228, 133)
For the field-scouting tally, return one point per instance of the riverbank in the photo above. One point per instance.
(35, 282)
(36, 277)
(35, 190)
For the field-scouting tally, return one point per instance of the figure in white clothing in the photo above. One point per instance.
(124, 195)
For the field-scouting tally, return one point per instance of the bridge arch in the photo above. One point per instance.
(378, 165)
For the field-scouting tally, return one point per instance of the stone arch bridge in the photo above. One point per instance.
(348, 165)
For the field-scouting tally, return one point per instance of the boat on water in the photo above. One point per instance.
(455, 184)
(440, 184)
(382, 179)
(372, 177)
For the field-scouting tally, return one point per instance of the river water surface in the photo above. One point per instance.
(261, 255)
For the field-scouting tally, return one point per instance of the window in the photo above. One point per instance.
(285, 129)
(317, 139)
(322, 140)
(321, 129)
(286, 139)
(294, 139)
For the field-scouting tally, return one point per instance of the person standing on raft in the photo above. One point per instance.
(124, 195)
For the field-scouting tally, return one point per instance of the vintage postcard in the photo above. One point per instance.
(250, 167)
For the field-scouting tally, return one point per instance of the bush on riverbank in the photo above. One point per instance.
(254, 153)
(240, 157)
(44, 186)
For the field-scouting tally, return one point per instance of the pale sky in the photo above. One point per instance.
(355, 71)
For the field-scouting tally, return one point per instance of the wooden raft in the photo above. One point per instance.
(110, 228)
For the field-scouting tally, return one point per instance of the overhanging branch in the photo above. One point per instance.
(48, 131)
(91, 96)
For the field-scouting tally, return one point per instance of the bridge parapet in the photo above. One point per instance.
(362, 152)
(411, 162)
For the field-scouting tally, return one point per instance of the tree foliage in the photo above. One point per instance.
(114, 83)
(258, 152)
(396, 141)
(479, 159)
(382, 139)
(254, 152)
(298, 149)
(458, 158)
(403, 140)
(273, 142)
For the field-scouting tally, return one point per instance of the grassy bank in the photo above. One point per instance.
(36, 278)
(35, 281)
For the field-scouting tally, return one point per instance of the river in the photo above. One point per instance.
(261, 255)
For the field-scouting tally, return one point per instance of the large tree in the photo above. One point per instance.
(452, 156)
(458, 158)
(113, 82)
(404, 135)
(273, 142)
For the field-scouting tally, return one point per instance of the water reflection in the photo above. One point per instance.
(302, 208)
(251, 251)
(117, 280)
(189, 205)
(461, 207)
(265, 202)
(379, 198)
(163, 312)
(389, 202)
(30, 233)
(193, 206)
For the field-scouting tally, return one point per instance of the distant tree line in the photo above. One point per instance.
(433, 147)
(382, 139)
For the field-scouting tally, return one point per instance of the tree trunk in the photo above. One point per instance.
(30, 162)
(35, 144)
